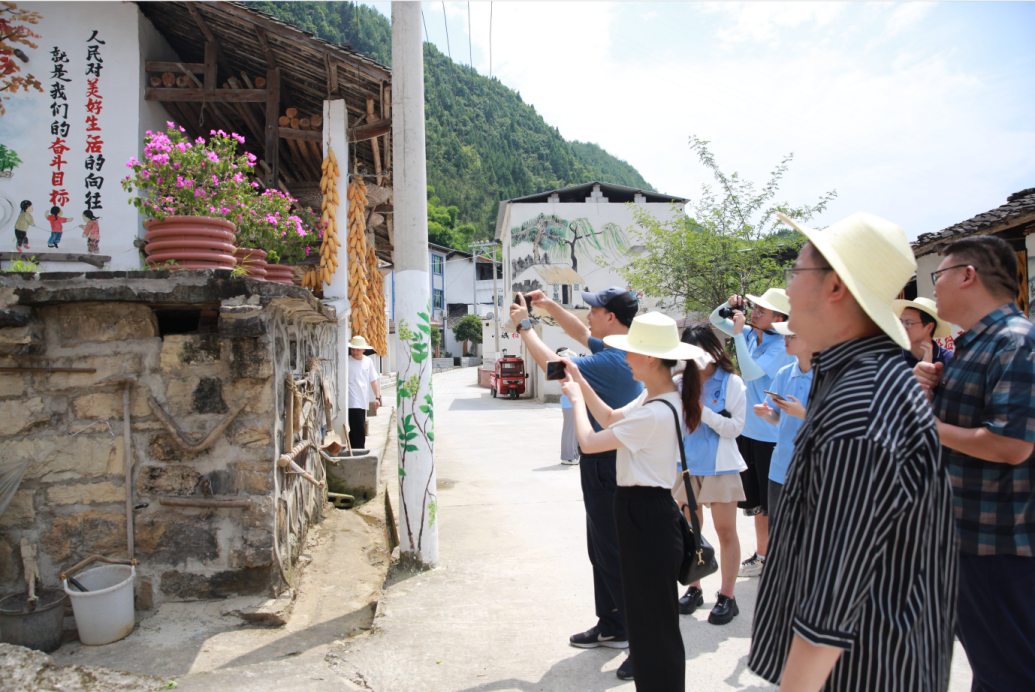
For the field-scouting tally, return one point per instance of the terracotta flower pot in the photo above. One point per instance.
(280, 273)
(254, 261)
(192, 242)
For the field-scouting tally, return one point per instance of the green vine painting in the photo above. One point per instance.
(416, 422)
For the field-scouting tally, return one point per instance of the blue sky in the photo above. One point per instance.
(923, 113)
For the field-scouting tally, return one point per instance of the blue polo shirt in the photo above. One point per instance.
(790, 381)
(609, 376)
(770, 356)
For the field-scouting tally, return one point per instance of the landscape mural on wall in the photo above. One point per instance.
(69, 102)
(547, 249)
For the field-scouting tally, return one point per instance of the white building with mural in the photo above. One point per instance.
(564, 242)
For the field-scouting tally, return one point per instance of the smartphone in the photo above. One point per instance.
(773, 395)
(555, 370)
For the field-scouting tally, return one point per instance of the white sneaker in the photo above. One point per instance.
(569, 462)
(752, 567)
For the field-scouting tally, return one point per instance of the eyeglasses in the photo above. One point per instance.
(788, 337)
(788, 274)
(934, 274)
(908, 324)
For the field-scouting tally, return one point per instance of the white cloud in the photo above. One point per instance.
(907, 15)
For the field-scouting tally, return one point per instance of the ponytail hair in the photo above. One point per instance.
(690, 394)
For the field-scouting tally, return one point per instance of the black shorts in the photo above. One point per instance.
(757, 455)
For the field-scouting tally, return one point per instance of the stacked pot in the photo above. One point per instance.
(192, 242)
(254, 261)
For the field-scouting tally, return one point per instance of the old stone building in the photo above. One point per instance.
(225, 375)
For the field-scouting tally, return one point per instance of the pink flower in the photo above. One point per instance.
(212, 156)
(215, 180)
(170, 124)
(132, 162)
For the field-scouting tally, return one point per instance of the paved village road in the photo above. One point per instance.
(514, 580)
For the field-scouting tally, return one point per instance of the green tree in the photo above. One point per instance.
(468, 329)
(729, 242)
(8, 158)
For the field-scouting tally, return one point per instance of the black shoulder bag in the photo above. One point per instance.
(698, 554)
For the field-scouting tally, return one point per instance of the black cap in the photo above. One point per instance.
(617, 300)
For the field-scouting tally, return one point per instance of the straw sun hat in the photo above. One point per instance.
(774, 299)
(654, 334)
(358, 342)
(942, 328)
(873, 258)
(782, 328)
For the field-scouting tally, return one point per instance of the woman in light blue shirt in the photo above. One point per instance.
(715, 463)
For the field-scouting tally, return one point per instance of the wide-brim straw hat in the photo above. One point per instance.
(942, 328)
(781, 328)
(873, 257)
(654, 334)
(774, 299)
(359, 342)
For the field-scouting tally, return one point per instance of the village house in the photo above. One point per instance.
(209, 475)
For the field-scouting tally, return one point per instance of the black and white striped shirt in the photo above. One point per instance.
(862, 554)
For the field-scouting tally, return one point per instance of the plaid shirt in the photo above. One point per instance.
(991, 383)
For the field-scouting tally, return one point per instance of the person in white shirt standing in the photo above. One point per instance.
(647, 439)
(363, 378)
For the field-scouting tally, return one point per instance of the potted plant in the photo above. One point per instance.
(271, 228)
(189, 191)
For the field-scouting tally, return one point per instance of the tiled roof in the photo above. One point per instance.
(1019, 208)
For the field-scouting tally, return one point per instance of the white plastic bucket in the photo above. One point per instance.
(104, 614)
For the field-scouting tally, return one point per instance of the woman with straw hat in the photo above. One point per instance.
(923, 326)
(647, 439)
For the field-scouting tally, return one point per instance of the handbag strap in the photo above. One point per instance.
(691, 499)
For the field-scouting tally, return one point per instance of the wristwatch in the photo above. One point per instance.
(524, 324)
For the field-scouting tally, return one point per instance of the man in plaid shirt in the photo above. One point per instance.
(985, 405)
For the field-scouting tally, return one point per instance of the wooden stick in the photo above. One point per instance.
(187, 442)
(229, 502)
(48, 369)
(296, 451)
(373, 142)
(32, 571)
(299, 471)
(92, 559)
(289, 412)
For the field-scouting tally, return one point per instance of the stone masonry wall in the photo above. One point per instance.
(71, 501)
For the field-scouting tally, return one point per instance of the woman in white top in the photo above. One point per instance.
(715, 464)
(647, 435)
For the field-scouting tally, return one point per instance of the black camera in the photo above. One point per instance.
(528, 300)
(726, 313)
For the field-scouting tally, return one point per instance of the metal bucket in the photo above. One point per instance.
(39, 628)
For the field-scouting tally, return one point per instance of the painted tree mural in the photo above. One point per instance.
(578, 239)
(8, 158)
(14, 31)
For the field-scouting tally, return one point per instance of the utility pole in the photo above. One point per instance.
(495, 291)
(418, 499)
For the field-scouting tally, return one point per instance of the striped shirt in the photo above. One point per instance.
(991, 384)
(862, 555)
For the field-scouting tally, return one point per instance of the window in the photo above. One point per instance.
(556, 291)
(436, 265)
(438, 302)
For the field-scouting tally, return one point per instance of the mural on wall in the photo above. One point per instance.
(557, 246)
(69, 105)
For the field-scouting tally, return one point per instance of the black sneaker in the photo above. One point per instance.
(691, 600)
(725, 610)
(593, 637)
(625, 671)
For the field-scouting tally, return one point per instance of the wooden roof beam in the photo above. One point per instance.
(209, 36)
(199, 95)
(370, 130)
(271, 61)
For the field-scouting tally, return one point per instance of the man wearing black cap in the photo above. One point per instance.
(611, 312)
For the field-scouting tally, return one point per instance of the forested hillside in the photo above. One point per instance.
(484, 144)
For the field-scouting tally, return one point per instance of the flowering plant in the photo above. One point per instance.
(273, 222)
(199, 178)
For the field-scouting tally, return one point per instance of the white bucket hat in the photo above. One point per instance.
(782, 328)
(654, 334)
(942, 328)
(358, 342)
(774, 299)
(873, 258)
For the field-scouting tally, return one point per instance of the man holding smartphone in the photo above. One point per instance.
(611, 313)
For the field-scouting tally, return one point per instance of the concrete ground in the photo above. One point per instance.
(514, 580)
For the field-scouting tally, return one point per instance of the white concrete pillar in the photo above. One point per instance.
(335, 138)
(418, 530)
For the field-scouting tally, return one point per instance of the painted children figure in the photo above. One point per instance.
(21, 225)
(92, 232)
(56, 228)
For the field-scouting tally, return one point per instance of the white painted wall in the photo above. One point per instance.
(26, 128)
(596, 276)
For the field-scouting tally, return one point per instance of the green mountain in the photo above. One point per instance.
(484, 144)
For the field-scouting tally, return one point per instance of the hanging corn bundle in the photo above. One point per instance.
(377, 328)
(357, 245)
(315, 278)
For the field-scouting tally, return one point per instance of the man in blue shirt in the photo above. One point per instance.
(760, 354)
(611, 312)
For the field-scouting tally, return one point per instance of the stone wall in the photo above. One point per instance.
(199, 344)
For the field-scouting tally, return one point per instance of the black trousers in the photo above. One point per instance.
(357, 427)
(598, 494)
(757, 455)
(996, 620)
(650, 544)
